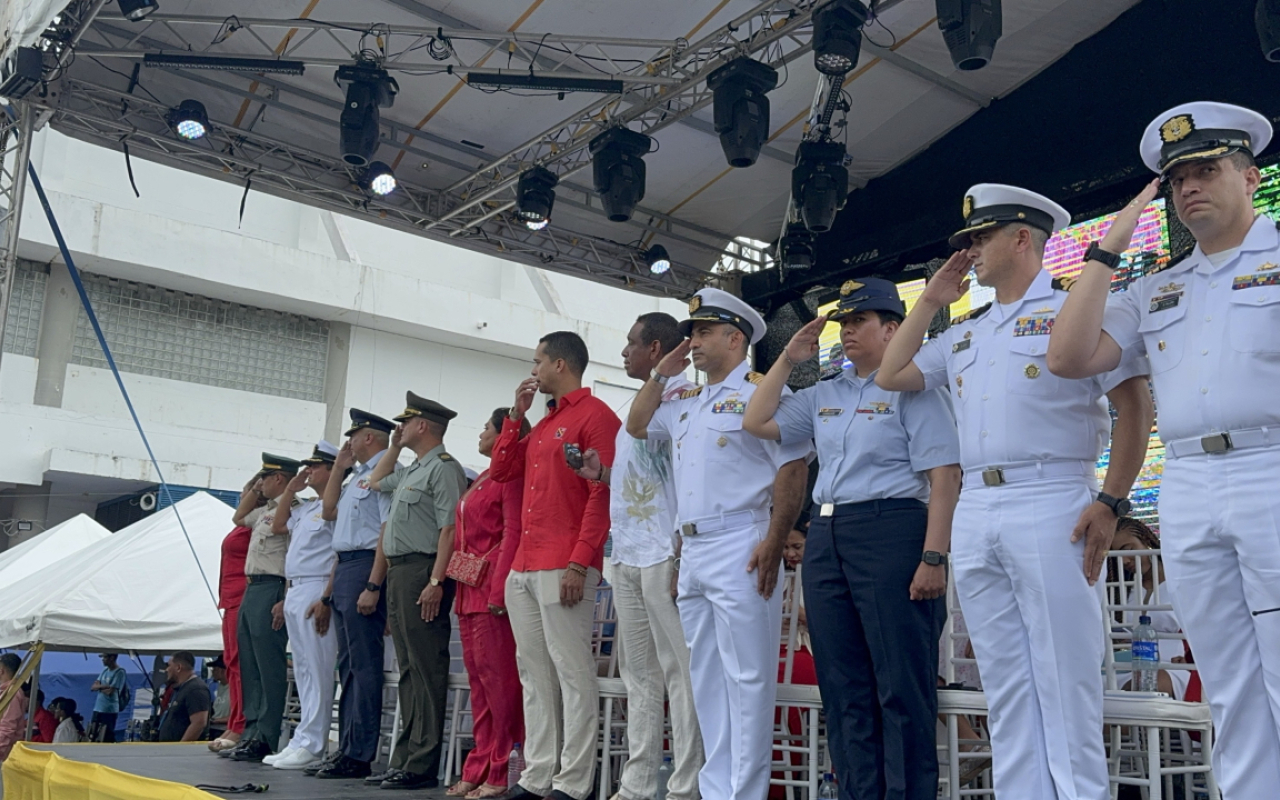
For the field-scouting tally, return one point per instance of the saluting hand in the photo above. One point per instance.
(950, 283)
(766, 561)
(677, 361)
(299, 481)
(346, 457)
(1097, 526)
(397, 438)
(1120, 235)
(804, 344)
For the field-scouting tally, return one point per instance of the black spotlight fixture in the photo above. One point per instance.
(657, 259)
(137, 10)
(535, 196)
(819, 183)
(837, 36)
(189, 120)
(1267, 17)
(742, 108)
(368, 88)
(379, 179)
(796, 248)
(617, 167)
(971, 29)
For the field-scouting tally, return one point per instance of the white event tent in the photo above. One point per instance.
(137, 590)
(51, 546)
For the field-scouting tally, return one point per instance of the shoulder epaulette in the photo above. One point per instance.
(687, 393)
(446, 457)
(1063, 284)
(974, 314)
(755, 377)
(1176, 260)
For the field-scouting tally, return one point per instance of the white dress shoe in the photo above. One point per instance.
(273, 758)
(296, 758)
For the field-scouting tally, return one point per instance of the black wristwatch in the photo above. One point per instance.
(1120, 506)
(370, 586)
(933, 558)
(327, 599)
(1096, 253)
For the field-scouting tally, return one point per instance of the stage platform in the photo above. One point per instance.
(193, 764)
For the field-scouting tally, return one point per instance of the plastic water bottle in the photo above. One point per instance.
(515, 766)
(828, 789)
(1146, 656)
(664, 775)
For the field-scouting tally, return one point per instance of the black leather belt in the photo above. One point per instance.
(867, 507)
(355, 555)
(264, 578)
(410, 558)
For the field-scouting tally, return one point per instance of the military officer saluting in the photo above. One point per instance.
(1210, 325)
(416, 545)
(875, 555)
(731, 555)
(1031, 529)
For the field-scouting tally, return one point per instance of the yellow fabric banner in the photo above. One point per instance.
(31, 774)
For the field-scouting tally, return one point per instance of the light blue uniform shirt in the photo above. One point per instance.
(872, 444)
(361, 511)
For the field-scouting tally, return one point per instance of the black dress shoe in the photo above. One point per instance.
(328, 761)
(227, 753)
(382, 776)
(410, 780)
(255, 750)
(518, 792)
(345, 768)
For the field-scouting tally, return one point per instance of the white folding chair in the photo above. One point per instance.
(806, 699)
(954, 703)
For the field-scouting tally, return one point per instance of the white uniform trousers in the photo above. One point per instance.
(654, 662)
(1037, 633)
(1220, 539)
(559, 676)
(314, 660)
(733, 635)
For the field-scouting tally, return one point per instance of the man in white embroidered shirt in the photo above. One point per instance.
(654, 654)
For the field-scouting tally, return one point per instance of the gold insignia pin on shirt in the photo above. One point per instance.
(968, 334)
(967, 208)
(1171, 287)
(722, 441)
(959, 381)
(849, 287)
(1031, 371)
(1177, 128)
(1161, 345)
(1267, 267)
(695, 303)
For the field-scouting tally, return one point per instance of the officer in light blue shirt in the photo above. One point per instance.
(875, 558)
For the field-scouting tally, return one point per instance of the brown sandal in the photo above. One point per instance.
(486, 791)
(461, 789)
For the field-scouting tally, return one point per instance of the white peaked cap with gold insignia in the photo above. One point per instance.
(717, 305)
(990, 205)
(1202, 130)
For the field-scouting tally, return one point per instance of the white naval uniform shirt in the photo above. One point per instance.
(642, 494)
(720, 468)
(310, 552)
(1009, 408)
(1212, 334)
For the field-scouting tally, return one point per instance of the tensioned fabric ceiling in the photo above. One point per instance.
(457, 149)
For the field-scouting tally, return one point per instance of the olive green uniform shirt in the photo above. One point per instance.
(424, 496)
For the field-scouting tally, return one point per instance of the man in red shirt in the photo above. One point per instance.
(551, 589)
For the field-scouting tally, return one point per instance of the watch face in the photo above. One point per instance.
(1123, 508)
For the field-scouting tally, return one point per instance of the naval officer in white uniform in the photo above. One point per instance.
(1210, 325)
(731, 557)
(1031, 529)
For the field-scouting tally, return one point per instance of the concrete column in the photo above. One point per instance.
(57, 335)
(30, 503)
(335, 382)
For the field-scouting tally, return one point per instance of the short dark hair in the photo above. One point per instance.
(662, 328)
(888, 316)
(1242, 159)
(568, 346)
(184, 657)
(499, 414)
(11, 662)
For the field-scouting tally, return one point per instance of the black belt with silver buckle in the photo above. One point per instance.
(1217, 443)
(264, 578)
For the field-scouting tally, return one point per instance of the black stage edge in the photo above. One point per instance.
(194, 764)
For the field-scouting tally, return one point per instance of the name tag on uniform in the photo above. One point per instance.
(830, 412)
(1256, 279)
(1165, 302)
(961, 345)
(1033, 326)
(729, 407)
(875, 408)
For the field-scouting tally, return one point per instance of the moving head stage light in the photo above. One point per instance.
(617, 167)
(368, 89)
(971, 29)
(742, 108)
(819, 184)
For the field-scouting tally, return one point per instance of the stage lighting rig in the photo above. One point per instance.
(971, 29)
(535, 197)
(379, 179)
(1267, 17)
(742, 108)
(21, 72)
(189, 120)
(657, 259)
(368, 88)
(796, 248)
(837, 36)
(617, 167)
(137, 10)
(819, 183)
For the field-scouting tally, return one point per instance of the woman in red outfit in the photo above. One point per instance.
(231, 583)
(488, 526)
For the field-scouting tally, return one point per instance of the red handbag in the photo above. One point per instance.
(466, 567)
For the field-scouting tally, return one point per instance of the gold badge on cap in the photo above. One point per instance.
(849, 287)
(967, 209)
(695, 303)
(1031, 371)
(1177, 128)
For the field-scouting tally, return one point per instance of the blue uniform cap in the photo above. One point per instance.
(868, 294)
(363, 419)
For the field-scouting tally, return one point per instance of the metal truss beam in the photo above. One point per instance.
(15, 152)
(108, 117)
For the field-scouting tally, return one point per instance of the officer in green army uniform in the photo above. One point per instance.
(416, 543)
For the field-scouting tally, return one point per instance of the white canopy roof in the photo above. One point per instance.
(51, 546)
(139, 589)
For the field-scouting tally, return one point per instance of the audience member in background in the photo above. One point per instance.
(803, 672)
(231, 585)
(13, 721)
(106, 707)
(221, 710)
(188, 714)
(551, 589)
(45, 723)
(487, 529)
(70, 724)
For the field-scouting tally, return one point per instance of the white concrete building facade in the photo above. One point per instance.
(238, 336)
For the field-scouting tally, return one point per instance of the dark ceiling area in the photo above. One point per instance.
(1070, 133)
